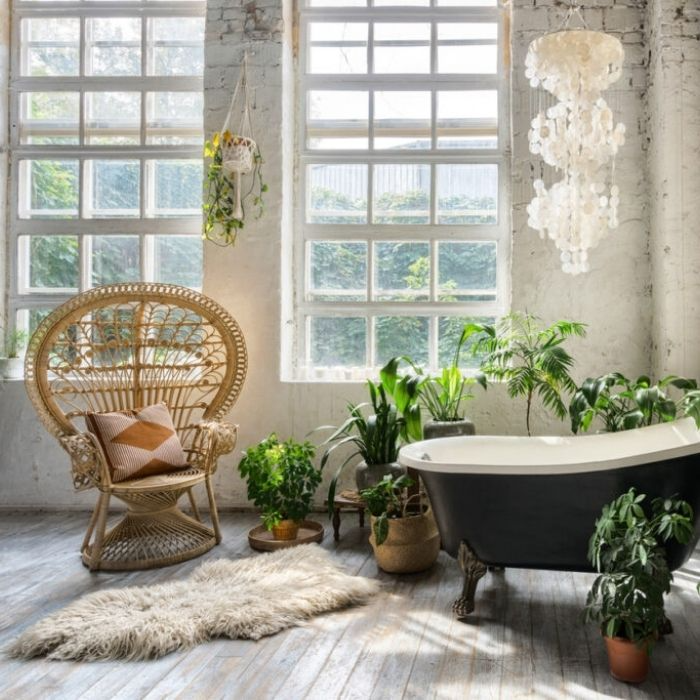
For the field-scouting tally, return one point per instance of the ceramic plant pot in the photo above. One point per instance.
(412, 545)
(367, 475)
(12, 367)
(453, 428)
(285, 530)
(628, 662)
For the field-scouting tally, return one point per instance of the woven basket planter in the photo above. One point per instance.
(237, 154)
(413, 544)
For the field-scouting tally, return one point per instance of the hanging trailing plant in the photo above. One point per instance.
(232, 155)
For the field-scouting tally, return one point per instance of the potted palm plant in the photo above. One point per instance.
(531, 360)
(627, 597)
(12, 364)
(282, 481)
(376, 430)
(404, 541)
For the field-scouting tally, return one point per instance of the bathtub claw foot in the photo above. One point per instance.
(473, 570)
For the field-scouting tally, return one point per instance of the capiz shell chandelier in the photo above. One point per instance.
(576, 136)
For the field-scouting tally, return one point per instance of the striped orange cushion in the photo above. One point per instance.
(138, 443)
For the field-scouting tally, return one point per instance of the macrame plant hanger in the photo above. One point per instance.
(238, 149)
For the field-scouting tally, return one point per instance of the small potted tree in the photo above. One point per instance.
(404, 541)
(282, 481)
(12, 364)
(627, 597)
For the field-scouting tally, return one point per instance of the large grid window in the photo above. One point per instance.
(106, 147)
(402, 217)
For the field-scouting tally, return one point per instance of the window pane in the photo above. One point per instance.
(467, 194)
(459, 52)
(401, 3)
(467, 271)
(49, 118)
(401, 194)
(337, 3)
(401, 335)
(176, 46)
(336, 194)
(174, 118)
(29, 319)
(51, 46)
(467, 3)
(176, 188)
(401, 119)
(48, 189)
(50, 262)
(114, 188)
(402, 271)
(112, 118)
(114, 259)
(467, 119)
(113, 46)
(338, 271)
(402, 47)
(449, 332)
(337, 119)
(338, 47)
(338, 341)
(178, 260)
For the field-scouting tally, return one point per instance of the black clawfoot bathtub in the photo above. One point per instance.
(532, 502)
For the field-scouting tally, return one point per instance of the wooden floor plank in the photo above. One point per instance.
(525, 639)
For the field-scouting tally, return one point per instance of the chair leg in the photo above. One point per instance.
(101, 524)
(91, 524)
(193, 505)
(213, 511)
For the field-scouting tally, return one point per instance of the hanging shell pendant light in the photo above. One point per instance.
(577, 137)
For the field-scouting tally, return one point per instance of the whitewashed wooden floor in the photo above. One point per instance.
(526, 638)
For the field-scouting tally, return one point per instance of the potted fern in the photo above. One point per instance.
(404, 541)
(282, 481)
(627, 597)
(529, 358)
(12, 363)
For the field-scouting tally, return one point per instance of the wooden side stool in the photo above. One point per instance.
(346, 502)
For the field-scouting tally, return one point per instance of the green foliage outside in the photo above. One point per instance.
(627, 549)
(282, 479)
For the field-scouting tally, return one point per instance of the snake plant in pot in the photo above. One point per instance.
(375, 431)
(627, 597)
(282, 481)
(404, 541)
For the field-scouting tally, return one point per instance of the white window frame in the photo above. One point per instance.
(21, 299)
(300, 368)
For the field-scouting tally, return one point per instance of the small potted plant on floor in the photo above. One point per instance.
(12, 364)
(403, 541)
(530, 359)
(282, 481)
(627, 597)
(375, 431)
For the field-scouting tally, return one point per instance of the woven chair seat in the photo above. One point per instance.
(127, 346)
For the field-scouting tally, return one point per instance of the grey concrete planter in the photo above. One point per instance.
(367, 475)
(440, 429)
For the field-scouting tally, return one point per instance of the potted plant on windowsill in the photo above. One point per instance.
(403, 541)
(12, 363)
(282, 481)
(627, 597)
(377, 436)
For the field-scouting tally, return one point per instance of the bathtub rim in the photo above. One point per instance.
(682, 439)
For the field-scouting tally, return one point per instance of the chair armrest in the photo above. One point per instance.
(212, 440)
(87, 462)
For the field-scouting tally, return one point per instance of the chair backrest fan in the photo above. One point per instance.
(133, 345)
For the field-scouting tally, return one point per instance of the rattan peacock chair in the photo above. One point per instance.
(123, 347)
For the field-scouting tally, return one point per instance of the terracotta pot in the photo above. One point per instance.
(453, 428)
(413, 544)
(285, 530)
(628, 662)
(367, 475)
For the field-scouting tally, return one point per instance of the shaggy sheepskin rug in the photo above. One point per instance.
(240, 599)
